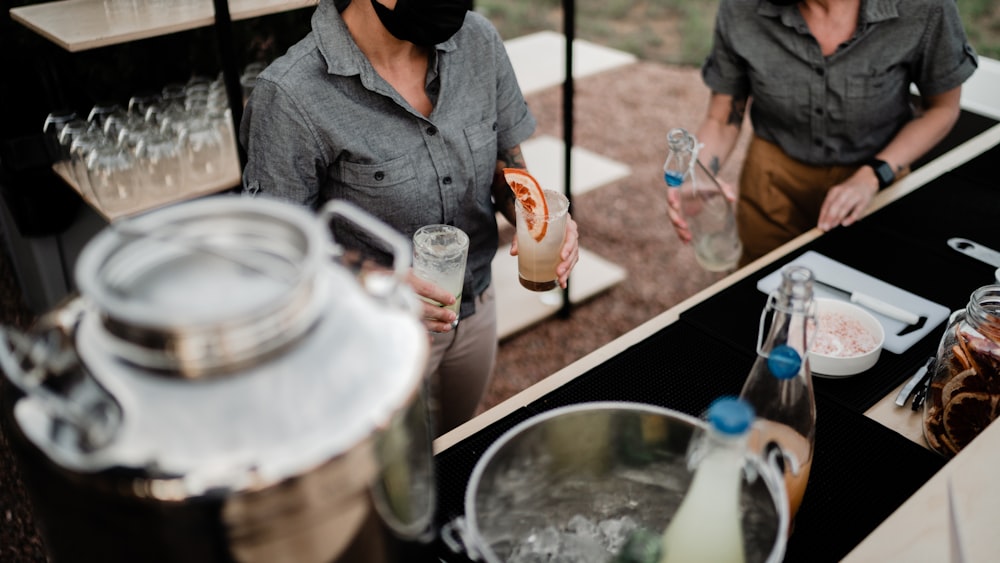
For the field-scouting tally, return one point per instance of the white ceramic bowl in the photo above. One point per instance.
(851, 339)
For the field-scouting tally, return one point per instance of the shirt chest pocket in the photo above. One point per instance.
(386, 174)
(482, 139)
(875, 84)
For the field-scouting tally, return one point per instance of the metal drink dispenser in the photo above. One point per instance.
(225, 387)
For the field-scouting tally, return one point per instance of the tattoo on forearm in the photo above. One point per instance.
(503, 197)
(714, 165)
(736, 111)
(512, 158)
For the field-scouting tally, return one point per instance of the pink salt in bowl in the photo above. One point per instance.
(847, 342)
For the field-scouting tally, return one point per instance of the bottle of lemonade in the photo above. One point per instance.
(708, 524)
(779, 386)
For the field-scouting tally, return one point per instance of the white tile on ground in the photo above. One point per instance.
(545, 155)
(519, 308)
(539, 59)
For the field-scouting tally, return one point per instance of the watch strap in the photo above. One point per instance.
(883, 171)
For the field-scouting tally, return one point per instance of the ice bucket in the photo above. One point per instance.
(573, 483)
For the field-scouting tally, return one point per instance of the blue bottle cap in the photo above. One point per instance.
(673, 178)
(784, 362)
(730, 415)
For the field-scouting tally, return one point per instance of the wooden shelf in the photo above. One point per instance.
(230, 178)
(79, 25)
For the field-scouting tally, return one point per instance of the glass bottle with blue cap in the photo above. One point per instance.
(779, 386)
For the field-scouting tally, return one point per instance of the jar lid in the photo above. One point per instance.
(239, 353)
(205, 286)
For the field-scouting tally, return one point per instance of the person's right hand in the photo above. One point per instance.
(435, 317)
(674, 209)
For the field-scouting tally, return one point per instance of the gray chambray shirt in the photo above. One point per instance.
(321, 124)
(844, 108)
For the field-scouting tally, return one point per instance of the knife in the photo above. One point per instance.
(875, 304)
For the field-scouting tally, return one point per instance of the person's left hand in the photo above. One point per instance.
(847, 202)
(570, 252)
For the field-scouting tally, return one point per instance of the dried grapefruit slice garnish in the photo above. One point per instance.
(527, 191)
(966, 415)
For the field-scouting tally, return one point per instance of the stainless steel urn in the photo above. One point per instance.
(227, 387)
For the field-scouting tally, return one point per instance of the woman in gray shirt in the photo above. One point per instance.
(409, 109)
(827, 83)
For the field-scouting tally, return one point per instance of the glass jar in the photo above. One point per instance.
(964, 393)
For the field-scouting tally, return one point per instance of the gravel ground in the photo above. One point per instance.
(622, 114)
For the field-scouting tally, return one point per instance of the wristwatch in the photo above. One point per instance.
(883, 172)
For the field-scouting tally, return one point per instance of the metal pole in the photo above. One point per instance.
(230, 68)
(569, 28)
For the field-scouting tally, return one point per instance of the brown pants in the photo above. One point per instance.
(780, 197)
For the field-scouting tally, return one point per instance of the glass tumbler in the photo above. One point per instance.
(54, 122)
(111, 171)
(203, 144)
(159, 158)
(79, 151)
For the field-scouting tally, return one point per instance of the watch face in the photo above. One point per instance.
(883, 172)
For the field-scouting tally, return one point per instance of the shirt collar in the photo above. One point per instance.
(342, 55)
(879, 10)
(871, 11)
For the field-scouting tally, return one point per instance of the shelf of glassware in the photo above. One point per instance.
(79, 25)
(227, 179)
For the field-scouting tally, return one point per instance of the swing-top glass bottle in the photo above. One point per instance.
(704, 205)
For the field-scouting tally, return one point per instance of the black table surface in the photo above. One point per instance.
(861, 471)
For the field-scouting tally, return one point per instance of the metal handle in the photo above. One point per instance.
(29, 361)
(455, 535)
(402, 253)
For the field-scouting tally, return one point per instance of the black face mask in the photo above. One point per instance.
(423, 22)
(783, 2)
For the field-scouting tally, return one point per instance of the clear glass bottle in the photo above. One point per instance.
(709, 213)
(963, 396)
(779, 386)
(708, 523)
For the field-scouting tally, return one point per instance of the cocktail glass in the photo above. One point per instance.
(439, 256)
(537, 259)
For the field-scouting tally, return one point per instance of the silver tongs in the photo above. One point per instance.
(916, 386)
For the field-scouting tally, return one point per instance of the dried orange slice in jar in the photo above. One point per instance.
(527, 191)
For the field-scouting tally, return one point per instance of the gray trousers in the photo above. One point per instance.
(460, 365)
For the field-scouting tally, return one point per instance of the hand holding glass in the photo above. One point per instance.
(439, 256)
(537, 259)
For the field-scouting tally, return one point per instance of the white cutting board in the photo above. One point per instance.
(846, 277)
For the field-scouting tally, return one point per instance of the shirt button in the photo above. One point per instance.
(820, 72)
(380, 175)
(446, 180)
(819, 111)
(818, 142)
(494, 126)
(432, 130)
